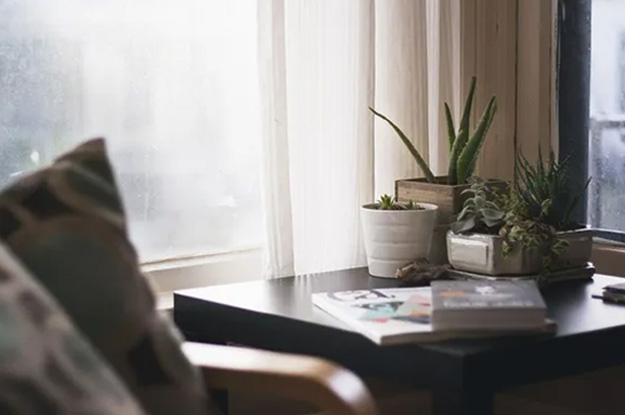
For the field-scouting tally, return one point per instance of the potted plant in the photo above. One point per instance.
(446, 191)
(396, 233)
(523, 230)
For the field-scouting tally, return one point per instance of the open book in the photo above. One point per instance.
(394, 315)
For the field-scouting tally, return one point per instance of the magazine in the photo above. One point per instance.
(392, 316)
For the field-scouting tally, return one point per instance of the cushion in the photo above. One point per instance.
(46, 366)
(66, 224)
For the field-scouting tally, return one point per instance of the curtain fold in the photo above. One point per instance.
(275, 181)
(401, 88)
(325, 62)
(318, 132)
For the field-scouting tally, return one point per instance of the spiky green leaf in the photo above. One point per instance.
(415, 153)
(473, 161)
(451, 130)
(461, 141)
(566, 217)
(466, 114)
(473, 145)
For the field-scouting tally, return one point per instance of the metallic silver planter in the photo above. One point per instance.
(483, 254)
(577, 253)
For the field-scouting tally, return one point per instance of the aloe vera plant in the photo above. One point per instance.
(464, 147)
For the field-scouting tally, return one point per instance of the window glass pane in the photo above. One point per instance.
(171, 84)
(606, 201)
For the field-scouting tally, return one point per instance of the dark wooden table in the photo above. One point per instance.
(463, 375)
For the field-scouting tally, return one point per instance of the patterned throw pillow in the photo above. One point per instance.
(66, 224)
(46, 367)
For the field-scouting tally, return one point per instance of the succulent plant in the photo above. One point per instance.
(388, 202)
(464, 148)
(506, 214)
(481, 212)
(530, 212)
(544, 189)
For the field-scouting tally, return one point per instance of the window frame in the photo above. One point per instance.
(573, 95)
(573, 92)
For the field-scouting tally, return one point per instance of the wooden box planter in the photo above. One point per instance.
(449, 200)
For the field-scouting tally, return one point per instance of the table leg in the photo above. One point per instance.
(462, 402)
(220, 399)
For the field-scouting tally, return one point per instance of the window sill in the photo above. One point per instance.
(169, 276)
(165, 301)
(609, 258)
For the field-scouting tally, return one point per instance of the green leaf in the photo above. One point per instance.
(464, 225)
(479, 202)
(492, 205)
(451, 130)
(492, 223)
(545, 206)
(492, 214)
(465, 211)
(473, 162)
(386, 202)
(468, 157)
(461, 141)
(527, 177)
(540, 168)
(466, 115)
(566, 217)
(415, 153)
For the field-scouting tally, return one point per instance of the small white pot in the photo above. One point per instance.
(396, 237)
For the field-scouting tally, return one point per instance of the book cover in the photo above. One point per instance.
(469, 295)
(386, 316)
(492, 305)
(392, 315)
(616, 288)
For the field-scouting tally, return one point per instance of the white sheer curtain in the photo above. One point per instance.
(323, 63)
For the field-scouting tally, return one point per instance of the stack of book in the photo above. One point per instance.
(614, 293)
(446, 310)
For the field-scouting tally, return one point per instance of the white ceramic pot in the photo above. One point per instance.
(396, 237)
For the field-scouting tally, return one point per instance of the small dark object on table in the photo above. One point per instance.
(421, 272)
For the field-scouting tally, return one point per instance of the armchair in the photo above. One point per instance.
(80, 330)
(329, 387)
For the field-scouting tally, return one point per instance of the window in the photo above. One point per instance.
(591, 120)
(171, 84)
(607, 114)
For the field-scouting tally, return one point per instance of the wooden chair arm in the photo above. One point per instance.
(316, 381)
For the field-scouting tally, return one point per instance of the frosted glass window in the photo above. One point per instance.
(607, 115)
(171, 84)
